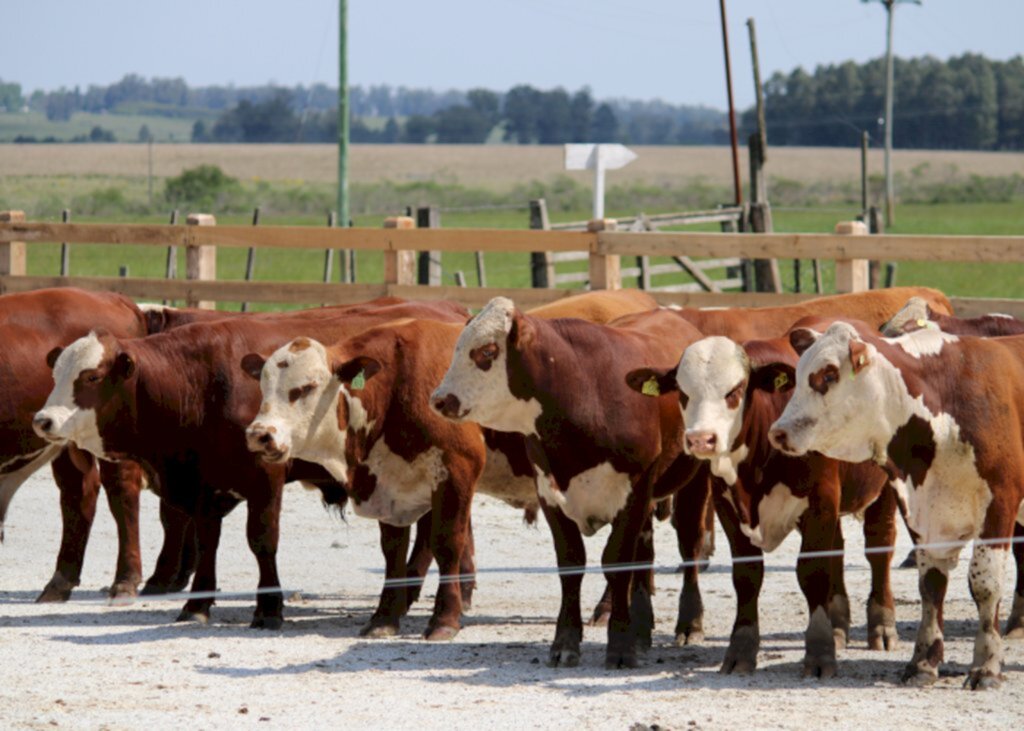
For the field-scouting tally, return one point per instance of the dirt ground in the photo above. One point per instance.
(85, 664)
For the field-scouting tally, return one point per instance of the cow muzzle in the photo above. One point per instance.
(46, 426)
(701, 443)
(264, 441)
(779, 438)
(449, 406)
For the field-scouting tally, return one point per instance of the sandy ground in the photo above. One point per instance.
(89, 665)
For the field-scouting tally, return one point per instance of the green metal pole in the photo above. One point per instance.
(343, 131)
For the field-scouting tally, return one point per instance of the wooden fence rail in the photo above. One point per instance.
(604, 247)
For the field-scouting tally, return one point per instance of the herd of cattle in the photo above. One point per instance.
(600, 409)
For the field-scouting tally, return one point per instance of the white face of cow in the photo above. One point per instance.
(839, 402)
(63, 418)
(712, 378)
(298, 416)
(476, 385)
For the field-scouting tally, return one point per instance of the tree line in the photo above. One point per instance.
(966, 102)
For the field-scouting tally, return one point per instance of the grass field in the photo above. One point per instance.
(109, 183)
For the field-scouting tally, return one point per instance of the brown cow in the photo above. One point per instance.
(945, 415)
(31, 324)
(917, 314)
(601, 453)
(730, 394)
(178, 403)
(326, 425)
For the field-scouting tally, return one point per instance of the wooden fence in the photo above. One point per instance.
(850, 251)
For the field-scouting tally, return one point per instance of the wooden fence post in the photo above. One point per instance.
(542, 269)
(13, 258)
(851, 274)
(605, 269)
(201, 261)
(399, 265)
(65, 253)
(428, 266)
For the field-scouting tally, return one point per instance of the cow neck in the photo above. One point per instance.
(364, 412)
(173, 376)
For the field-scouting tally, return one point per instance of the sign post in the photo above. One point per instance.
(598, 158)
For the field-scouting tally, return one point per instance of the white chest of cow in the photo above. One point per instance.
(498, 481)
(403, 489)
(777, 514)
(592, 498)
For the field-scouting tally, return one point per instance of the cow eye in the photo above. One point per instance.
(831, 377)
(93, 378)
(490, 351)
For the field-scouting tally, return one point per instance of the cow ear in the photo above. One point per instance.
(859, 355)
(773, 377)
(252, 365)
(156, 320)
(653, 381)
(522, 332)
(51, 357)
(356, 372)
(124, 366)
(802, 338)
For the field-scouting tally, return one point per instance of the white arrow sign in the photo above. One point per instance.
(598, 158)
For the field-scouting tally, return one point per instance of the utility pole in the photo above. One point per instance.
(343, 132)
(737, 188)
(890, 197)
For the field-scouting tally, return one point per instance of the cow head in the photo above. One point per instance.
(839, 399)
(914, 315)
(476, 386)
(90, 377)
(299, 416)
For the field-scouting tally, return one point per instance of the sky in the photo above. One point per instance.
(636, 49)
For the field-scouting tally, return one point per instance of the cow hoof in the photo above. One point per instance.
(821, 666)
(196, 617)
(839, 636)
(123, 592)
(910, 562)
(440, 634)
(883, 638)
(379, 629)
(58, 589)
(271, 623)
(601, 616)
(621, 660)
(741, 655)
(563, 657)
(919, 677)
(982, 680)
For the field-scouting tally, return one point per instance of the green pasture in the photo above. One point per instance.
(125, 127)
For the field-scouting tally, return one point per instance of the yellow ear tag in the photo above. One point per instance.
(359, 381)
(922, 323)
(781, 380)
(650, 387)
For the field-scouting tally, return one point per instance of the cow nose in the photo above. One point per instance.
(448, 406)
(701, 442)
(261, 438)
(779, 439)
(42, 424)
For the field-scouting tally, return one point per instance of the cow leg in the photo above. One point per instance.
(641, 610)
(627, 623)
(689, 508)
(467, 569)
(123, 483)
(747, 578)
(1015, 622)
(204, 582)
(177, 559)
(839, 602)
(603, 608)
(707, 547)
(263, 529)
(910, 561)
(419, 560)
(394, 542)
(79, 484)
(448, 538)
(818, 527)
(933, 578)
(571, 555)
(880, 533)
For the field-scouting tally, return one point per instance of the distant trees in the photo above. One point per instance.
(966, 102)
(10, 96)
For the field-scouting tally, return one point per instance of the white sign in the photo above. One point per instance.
(598, 158)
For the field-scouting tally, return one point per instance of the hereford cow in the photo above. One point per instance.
(31, 324)
(601, 453)
(311, 411)
(917, 314)
(945, 415)
(178, 404)
(730, 394)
